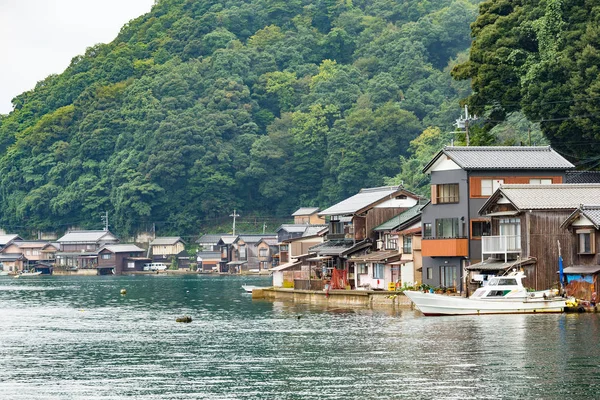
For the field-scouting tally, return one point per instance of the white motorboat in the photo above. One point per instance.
(25, 274)
(502, 295)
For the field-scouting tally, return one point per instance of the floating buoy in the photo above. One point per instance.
(123, 291)
(186, 319)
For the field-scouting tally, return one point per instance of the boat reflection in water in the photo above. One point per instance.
(502, 295)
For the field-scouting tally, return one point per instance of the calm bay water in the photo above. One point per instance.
(78, 338)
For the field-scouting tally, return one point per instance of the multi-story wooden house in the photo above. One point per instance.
(530, 223)
(246, 250)
(27, 255)
(79, 248)
(462, 179)
(308, 216)
(170, 250)
(401, 234)
(583, 272)
(229, 261)
(267, 249)
(121, 258)
(351, 224)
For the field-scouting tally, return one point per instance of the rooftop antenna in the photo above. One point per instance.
(234, 215)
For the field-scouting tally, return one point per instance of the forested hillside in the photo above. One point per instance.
(203, 106)
(542, 58)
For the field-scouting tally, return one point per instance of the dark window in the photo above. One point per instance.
(407, 245)
(427, 230)
(447, 193)
(446, 228)
(480, 228)
(429, 273)
(586, 242)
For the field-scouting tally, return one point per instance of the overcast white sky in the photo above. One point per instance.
(40, 37)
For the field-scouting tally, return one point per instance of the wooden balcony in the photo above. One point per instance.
(453, 247)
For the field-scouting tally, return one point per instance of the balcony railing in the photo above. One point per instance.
(506, 244)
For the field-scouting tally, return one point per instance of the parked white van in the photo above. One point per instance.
(155, 267)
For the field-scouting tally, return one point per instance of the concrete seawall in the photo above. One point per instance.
(351, 298)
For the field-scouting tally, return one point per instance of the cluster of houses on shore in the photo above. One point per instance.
(491, 210)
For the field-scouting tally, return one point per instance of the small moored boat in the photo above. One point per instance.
(502, 295)
(25, 274)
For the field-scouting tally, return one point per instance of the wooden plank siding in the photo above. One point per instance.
(540, 232)
(445, 247)
(376, 217)
(475, 182)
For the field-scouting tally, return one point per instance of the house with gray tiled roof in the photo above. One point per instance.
(402, 235)
(121, 258)
(246, 251)
(79, 248)
(531, 224)
(308, 215)
(350, 233)
(209, 241)
(583, 273)
(462, 180)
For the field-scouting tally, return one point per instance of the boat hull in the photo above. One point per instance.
(434, 304)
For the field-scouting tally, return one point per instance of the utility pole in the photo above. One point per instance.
(104, 218)
(463, 123)
(264, 227)
(234, 215)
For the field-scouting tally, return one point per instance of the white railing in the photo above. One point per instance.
(500, 245)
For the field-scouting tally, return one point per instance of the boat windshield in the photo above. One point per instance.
(502, 282)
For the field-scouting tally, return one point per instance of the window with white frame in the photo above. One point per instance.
(106, 256)
(390, 242)
(540, 181)
(263, 252)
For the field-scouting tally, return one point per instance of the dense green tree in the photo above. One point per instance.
(540, 57)
(201, 106)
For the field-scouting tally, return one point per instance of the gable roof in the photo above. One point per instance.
(270, 241)
(209, 238)
(364, 199)
(592, 213)
(400, 219)
(315, 230)
(293, 228)
(122, 248)
(227, 239)
(34, 244)
(86, 236)
(545, 197)
(167, 240)
(502, 157)
(4, 239)
(255, 238)
(305, 211)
